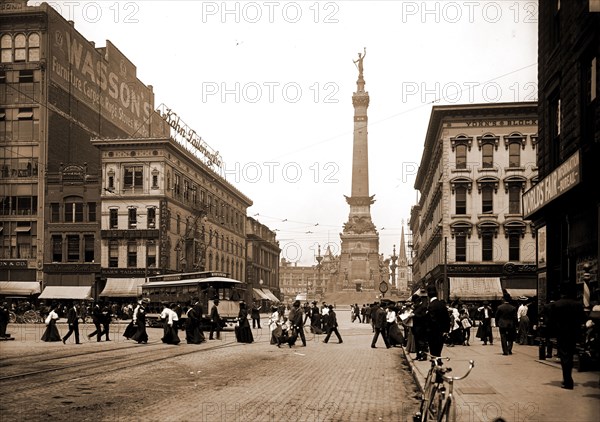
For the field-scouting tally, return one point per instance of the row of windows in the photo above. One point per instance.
(73, 248)
(20, 47)
(73, 210)
(19, 124)
(488, 144)
(18, 240)
(19, 161)
(182, 189)
(487, 199)
(487, 246)
(18, 205)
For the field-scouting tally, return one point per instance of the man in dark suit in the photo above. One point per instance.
(73, 321)
(97, 320)
(379, 325)
(567, 316)
(438, 322)
(215, 320)
(506, 320)
(332, 326)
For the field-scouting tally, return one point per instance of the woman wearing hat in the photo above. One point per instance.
(243, 333)
(141, 336)
(51, 333)
(484, 332)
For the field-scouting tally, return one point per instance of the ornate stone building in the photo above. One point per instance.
(469, 234)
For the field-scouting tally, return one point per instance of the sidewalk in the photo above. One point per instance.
(518, 387)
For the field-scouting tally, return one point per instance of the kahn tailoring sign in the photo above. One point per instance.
(563, 178)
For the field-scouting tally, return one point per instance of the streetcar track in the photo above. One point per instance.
(138, 359)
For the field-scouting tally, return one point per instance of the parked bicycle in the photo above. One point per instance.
(437, 401)
(27, 317)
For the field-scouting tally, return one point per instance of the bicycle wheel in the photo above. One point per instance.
(30, 317)
(426, 392)
(12, 317)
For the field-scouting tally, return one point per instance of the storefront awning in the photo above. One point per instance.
(123, 287)
(270, 295)
(19, 288)
(67, 292)
(517, 293)
(259, 294)
(475, 288)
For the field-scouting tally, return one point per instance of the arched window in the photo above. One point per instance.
(20, 48)
(73, 207)
(33, 53)
(6, 49)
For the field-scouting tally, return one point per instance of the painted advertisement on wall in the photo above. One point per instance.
(102, 78)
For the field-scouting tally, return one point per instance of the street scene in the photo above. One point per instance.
(311, 211)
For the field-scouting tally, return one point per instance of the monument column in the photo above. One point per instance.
(359, 258)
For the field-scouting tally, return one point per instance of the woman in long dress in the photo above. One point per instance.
(51, 333)
(171, 320)
(141, 336)
(243, 331)
(193, 334)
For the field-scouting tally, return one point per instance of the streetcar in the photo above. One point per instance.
(204, 286)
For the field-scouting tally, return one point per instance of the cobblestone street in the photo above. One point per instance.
(216, 381)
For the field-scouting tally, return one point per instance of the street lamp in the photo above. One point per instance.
(393, 267)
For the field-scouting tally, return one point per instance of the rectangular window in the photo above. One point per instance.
(461, 247)
(514, 155)
(461, 200)
(132, 218)
(151, 218)
(113, 218)
(186, 190)
(487, 200)
(55, 213)
(113, 254)
(487, 155)
(461, 156)
(132, 254)
(91, 212)
(151, 255)
(73, 248)
(88, 248)
(487, 246)
(73, 212)
(514, 199)
(514, 242)
(133, 177)
(57, 249)
(177, 184)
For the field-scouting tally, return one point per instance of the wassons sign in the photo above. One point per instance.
(563, 178)
(102, 78)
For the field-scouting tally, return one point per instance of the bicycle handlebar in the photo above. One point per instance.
(471, 365)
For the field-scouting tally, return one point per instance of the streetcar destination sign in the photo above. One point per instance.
(563, 178)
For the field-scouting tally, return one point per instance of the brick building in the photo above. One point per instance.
(564, 205)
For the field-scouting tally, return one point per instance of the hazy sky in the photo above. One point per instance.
(269, 85)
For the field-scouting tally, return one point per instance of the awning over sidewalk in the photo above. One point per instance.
(19, 288)
(475, 288)
(67, 292)
(259, 294)
(270, 295)
(123, 287)
(517, 293)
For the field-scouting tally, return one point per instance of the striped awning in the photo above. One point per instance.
(19, 288)
(67, 292)
(259, 294)
(270, 295)
(517, 293)
(123, 287)
(475, 288)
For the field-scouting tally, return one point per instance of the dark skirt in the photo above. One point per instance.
(244, 335)
(193, 335)
(130, 330)
(395, 336)
(51, 333)
(410, 342)
(170, 335)
(141, 336)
